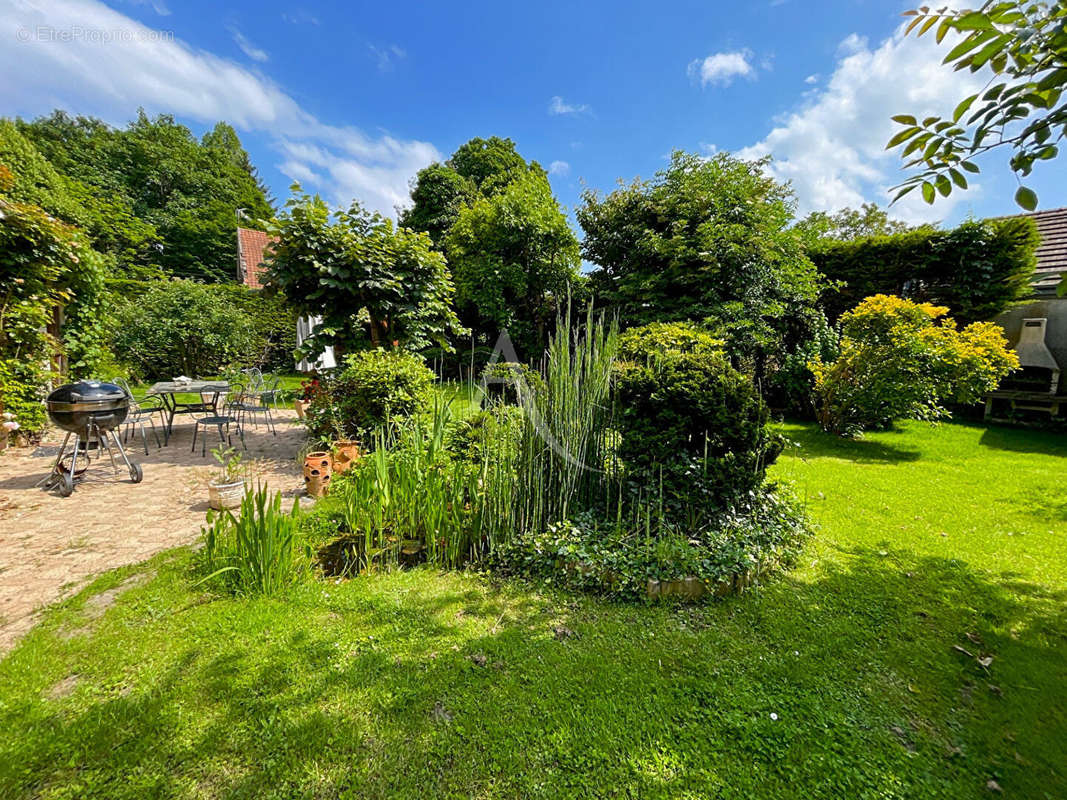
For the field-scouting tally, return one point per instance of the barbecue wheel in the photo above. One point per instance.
(136, 473)
(66, 484)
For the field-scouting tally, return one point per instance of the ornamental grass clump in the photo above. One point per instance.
(255, 551)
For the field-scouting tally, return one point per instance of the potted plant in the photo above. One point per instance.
(308, 390)
(345, 453)
(7, 428)
(228, 488)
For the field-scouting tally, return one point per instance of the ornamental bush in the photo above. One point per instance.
(502, 378)
(659, 338)
(181, 327)
(694, 425)
(373, 387)
(905, 360)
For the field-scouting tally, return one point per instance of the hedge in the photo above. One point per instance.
(977, 269)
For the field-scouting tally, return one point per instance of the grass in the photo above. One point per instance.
(428, 684)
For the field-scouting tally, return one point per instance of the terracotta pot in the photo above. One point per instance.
(301, 407)
(346, 453)
(320, 460)
(225, 495)
(316, 482)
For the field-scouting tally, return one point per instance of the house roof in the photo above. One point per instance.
(1052, 252)
(251, 248)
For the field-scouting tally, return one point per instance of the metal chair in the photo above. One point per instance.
(139, 413)
(220, 421)
(249, 403)
(271, 393)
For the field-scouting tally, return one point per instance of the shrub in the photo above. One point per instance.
(181, 327)
(661, 338)
(790, 380)
(22, 385)
(502, 379)
(255, 551)
(694, 425)
(374, 386)
(905, 360)
(765, 534)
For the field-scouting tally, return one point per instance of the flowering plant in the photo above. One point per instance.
(310, 388)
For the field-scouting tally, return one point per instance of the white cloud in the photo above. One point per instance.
(812, 79)
(136, 66)
(249, 49)
(560, 168)
(557, 106)
(158, 6)
(300, 16)
(387, 55)
(720, 69)
(832, 147)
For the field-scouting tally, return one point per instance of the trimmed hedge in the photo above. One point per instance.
(977, 269)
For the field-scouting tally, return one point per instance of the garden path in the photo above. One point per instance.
(51, 546)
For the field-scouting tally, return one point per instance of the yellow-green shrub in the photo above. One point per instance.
(905, 360)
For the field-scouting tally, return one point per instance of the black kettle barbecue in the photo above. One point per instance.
(90, 411)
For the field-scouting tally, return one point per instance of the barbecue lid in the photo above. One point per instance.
(87, 392)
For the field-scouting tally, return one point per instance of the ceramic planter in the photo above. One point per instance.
(225, 495)
(318, 470)
(346, 453)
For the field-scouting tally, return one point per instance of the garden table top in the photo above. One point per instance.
(167, 390)
(190, 387)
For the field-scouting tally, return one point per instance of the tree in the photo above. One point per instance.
(514, 257)
(849, 224)
(154, 194)
(367, 279)
(490, 164)
(438, 194)
(904, 360)
(707, 239)
(1023, 44)
(478, 168)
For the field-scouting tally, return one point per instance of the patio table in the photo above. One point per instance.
(167, 391)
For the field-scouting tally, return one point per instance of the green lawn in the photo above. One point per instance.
(837, 680)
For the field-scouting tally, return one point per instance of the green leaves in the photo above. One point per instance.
(1026, 198)
(1025, 113)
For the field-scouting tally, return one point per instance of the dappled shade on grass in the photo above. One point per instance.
(421, 684)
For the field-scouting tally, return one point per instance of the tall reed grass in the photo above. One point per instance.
(255, 551)
(410, 492)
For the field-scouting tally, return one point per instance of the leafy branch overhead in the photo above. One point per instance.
(1022, 44)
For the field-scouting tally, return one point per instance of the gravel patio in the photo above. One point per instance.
(50, 546)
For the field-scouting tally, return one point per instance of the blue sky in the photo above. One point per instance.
(353, 98)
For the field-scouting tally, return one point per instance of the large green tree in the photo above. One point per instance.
(478, 168)
(153, 194)
(1022, 45)
(371, 282)
(706, 239)
(511, 249)
(514, 257)
(850, 224)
